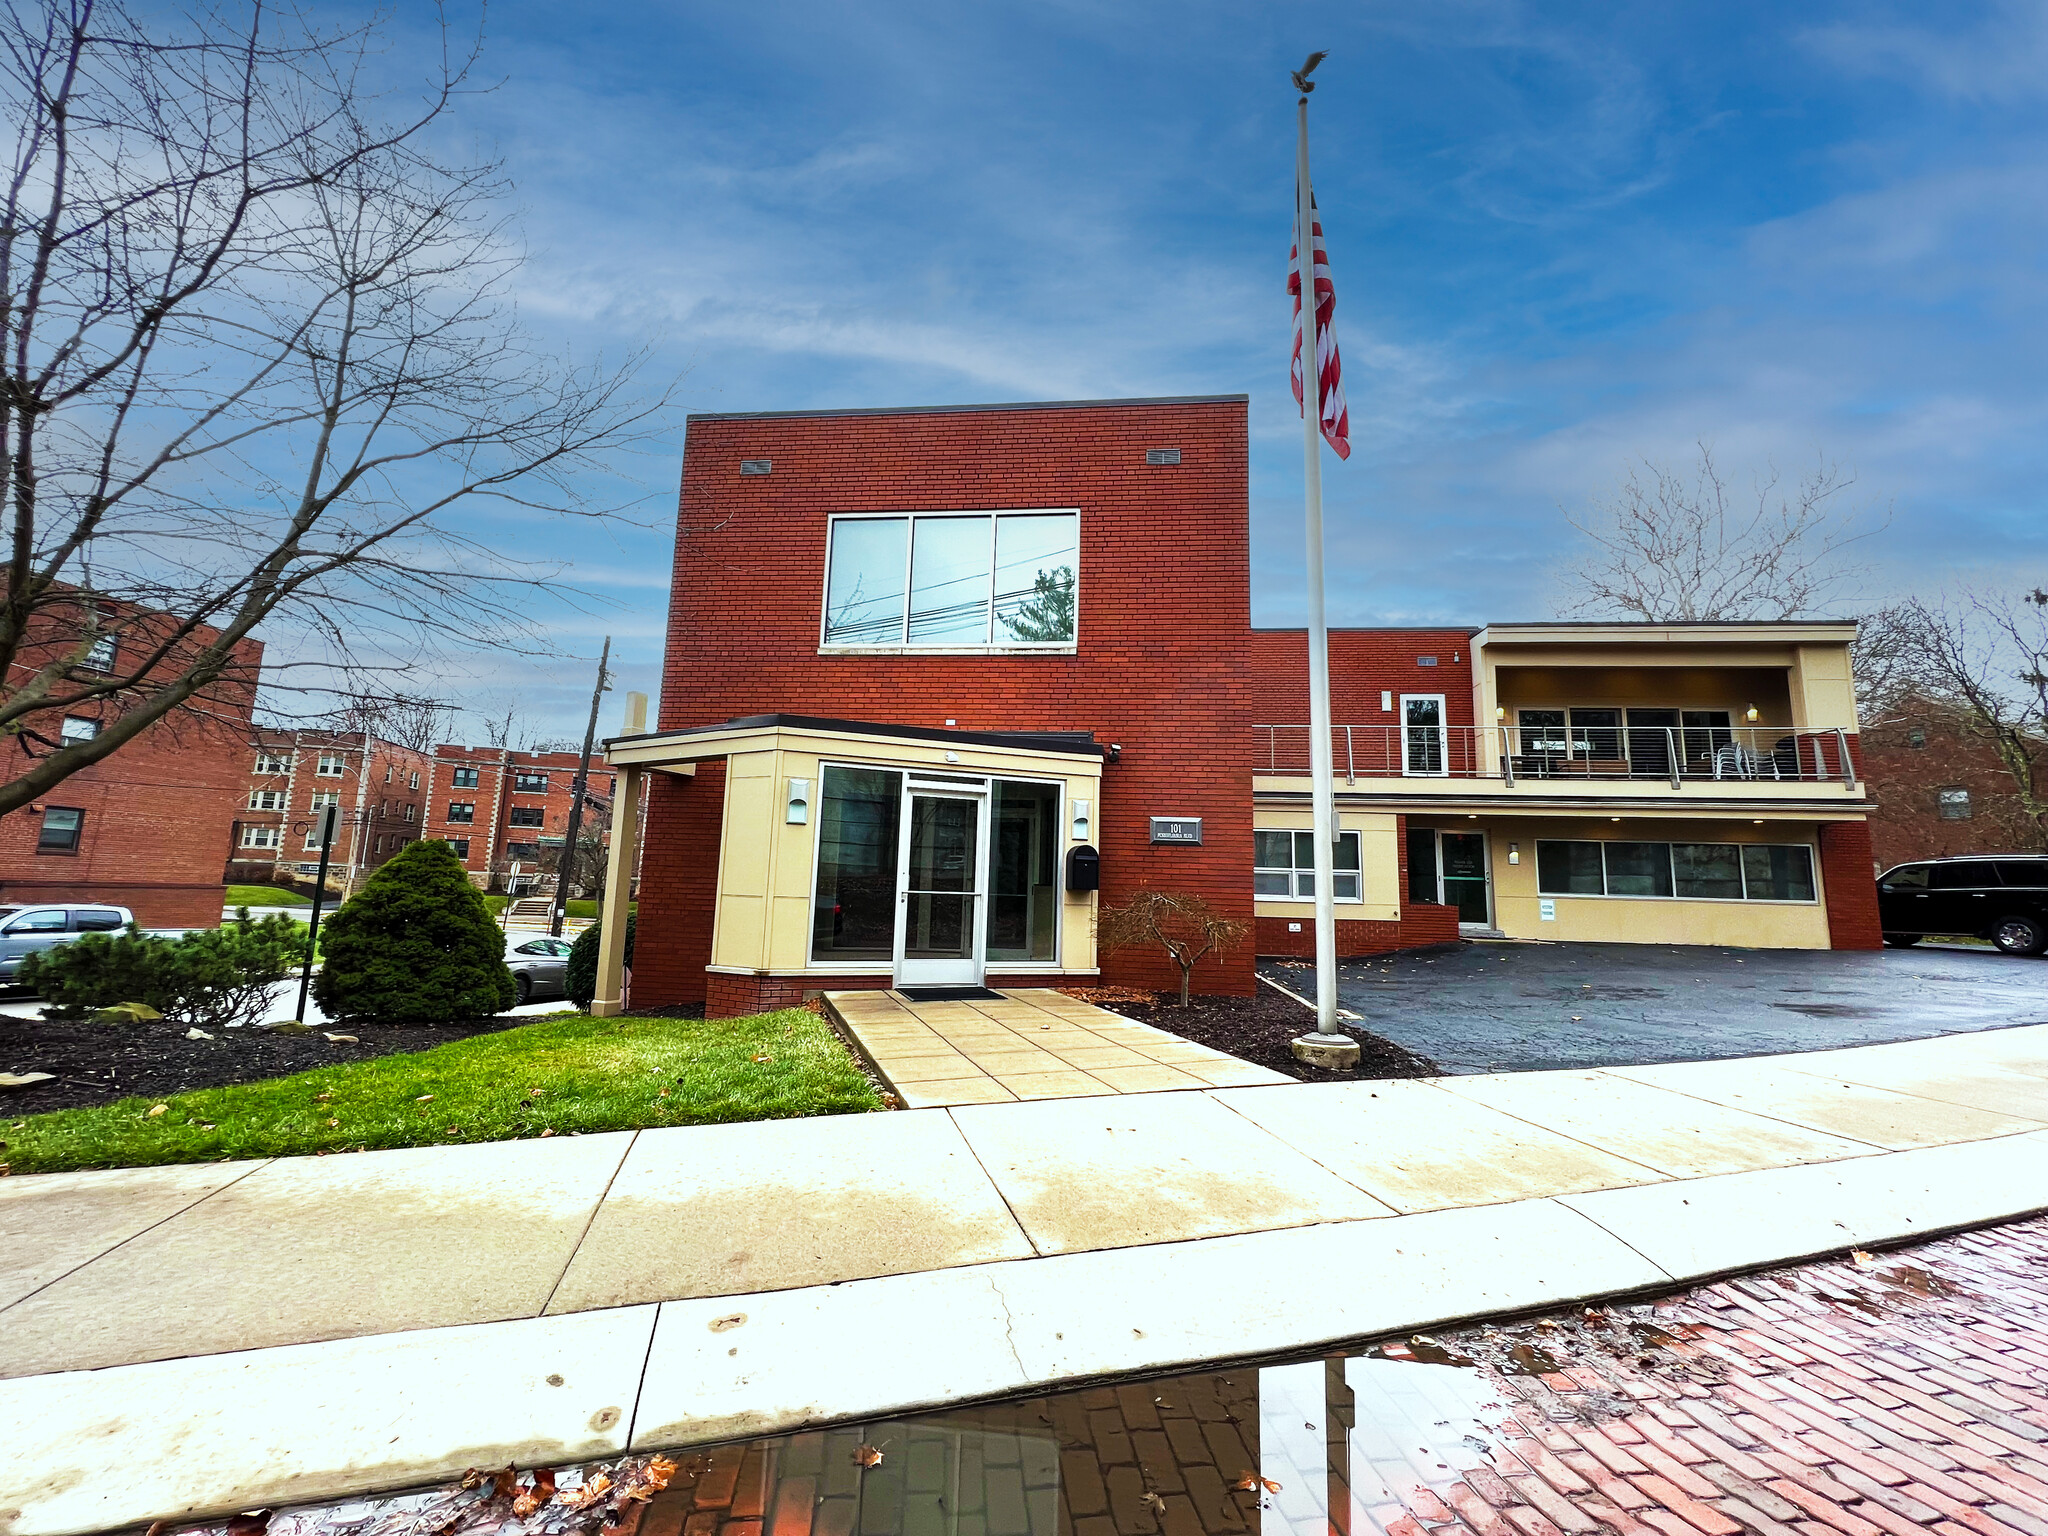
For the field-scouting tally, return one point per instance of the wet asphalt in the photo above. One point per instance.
(1511, 1007)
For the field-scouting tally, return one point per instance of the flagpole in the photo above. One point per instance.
(1328, 1046)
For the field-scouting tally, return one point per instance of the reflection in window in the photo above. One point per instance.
(1778, 873)
(1953, 801)
(952, 580)
(1698, 871)
(1707, 871)
(1284, 866)
(854, 917)
(61, 830)
(1024, 872)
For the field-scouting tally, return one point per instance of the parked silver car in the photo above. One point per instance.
(539, 966)
(25, 928)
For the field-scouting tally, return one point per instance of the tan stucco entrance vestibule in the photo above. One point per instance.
(865, 854)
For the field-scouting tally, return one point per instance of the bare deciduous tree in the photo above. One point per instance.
(410, 720)
(258, 369)
(1186, 927)
(1672, 548)
(1984, 658)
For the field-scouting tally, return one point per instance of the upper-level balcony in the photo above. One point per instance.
(1620, 749)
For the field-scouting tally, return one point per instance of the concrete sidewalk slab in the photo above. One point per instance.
(313, 1248)
(1418, 1148)
(51, 1225)
(711, 1210)
(183, 1438)
(1766, 1216)
(1685, 1138)
(1115, 1172)
(1974, 1084)
(1877, 1115)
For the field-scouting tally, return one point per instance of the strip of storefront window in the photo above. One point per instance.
(1773, 872)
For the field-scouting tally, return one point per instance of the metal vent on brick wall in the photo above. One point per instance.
(757, 466)
(1162, 455)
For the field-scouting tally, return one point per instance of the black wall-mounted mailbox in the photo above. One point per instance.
(1084, 869)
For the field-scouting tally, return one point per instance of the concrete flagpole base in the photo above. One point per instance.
(1334, 1052)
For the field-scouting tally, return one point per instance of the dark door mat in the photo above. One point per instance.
(949, 994)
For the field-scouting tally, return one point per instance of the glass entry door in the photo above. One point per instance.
(1464, 877)
(939, 936)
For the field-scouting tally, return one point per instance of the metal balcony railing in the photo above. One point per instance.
(1513, 754)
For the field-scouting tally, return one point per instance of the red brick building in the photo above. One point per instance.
(379, 786)
(148, 827)
(930, 673)
(506, 813)
(1940, 788)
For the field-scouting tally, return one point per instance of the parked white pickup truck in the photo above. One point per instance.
(25, 929)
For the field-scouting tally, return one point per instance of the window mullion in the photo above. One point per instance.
(909, 554)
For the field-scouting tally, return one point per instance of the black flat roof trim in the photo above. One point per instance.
(1078, 743)
(1663, 623)
(954, 410)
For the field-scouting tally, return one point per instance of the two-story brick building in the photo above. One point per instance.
(934, 674)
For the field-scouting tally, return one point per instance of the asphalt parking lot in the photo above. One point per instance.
(1511, 1007)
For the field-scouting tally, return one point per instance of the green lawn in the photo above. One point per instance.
(567, 1073)
(262, 896)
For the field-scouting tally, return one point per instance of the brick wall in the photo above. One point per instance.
(1846, 871)
(495, 796)
(1917, 751)
(1164, 617)
(377, 784)
(1364, 663)
(1421, 925)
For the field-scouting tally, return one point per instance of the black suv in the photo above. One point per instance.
(2002, 897)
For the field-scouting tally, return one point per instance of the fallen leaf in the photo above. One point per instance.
(197, 1034)
(156, 1111)
(1861, 1259)
(1251, 1482)
(866, 1456)
(345, 1039)
(540, 1493)
(1152, 1501)
(505, 1483)
(764, 1058)
(547, 1133)
(332, 1124)
(650, 1479)
(423, 1098)
(322, 1098)
(593, 1489)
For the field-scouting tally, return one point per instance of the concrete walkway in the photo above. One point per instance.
(232, 1335)
(1025, 1043)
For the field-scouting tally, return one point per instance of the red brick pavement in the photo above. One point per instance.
(1878, 1395)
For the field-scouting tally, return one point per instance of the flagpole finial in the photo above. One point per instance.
(1302, 83)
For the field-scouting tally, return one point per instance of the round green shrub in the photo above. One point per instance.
(579, 979)
(414, 945)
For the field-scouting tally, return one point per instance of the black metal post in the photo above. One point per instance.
(328, 816)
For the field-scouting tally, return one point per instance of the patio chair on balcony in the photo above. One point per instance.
(1732, 760)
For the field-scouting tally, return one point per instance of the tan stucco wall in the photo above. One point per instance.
(1823, 688)
(765, 868)
(1626, 920)
(1731, 688)
(1379, 861)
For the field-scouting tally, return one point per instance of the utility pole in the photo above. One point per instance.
(567, 862)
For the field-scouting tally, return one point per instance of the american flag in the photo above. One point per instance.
(1336, 417)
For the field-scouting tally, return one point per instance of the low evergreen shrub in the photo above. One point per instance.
(414, 945)
(208, 977)
(579, 980)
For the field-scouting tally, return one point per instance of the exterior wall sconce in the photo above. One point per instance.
(1386, 701)
(1078, 810)
(1514, 853)
(1750, 714)
(1500, 711)
(797, 811)
(1614, 818)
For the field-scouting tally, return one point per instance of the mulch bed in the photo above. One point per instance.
(1257, 1029)
(99, 1063)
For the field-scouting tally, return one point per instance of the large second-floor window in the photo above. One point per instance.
(331, 765)
(529, 783)
(953, 581)
(529, 816)
(465, 778)
(462, 810)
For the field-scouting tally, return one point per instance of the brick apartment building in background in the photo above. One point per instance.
(939, 682)
(147, 827)
(506, 813)
(379, 786)
(1942, 789)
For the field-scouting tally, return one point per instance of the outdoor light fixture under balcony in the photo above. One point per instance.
(1749, 714)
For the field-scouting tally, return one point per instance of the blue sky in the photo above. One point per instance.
(1564, 236)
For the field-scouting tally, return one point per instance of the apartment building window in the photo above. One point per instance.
(273, 762)
(332, 765)
(410, 808)
(412, 781)
(460, 845)
(1685, 871)
(260, 837)
(462, 810)
(63, 827)
(465, 778)
(529, 816)
(320, 799)
(952, 580)
(100, 657)
(1916, 737)
(389, 769)
(378, 847)
(1285, 866)
(1953, 801)
(530, 783)
(266, 799)
(522, 851)
(77, 728)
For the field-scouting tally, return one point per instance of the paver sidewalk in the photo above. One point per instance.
(1026, 1043)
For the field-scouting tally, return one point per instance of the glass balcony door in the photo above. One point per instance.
(943, 873)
